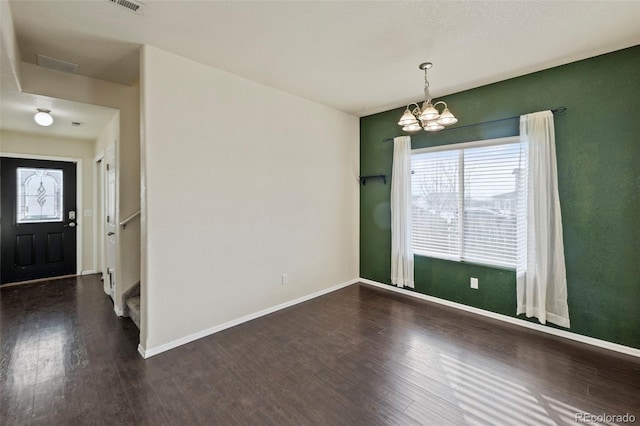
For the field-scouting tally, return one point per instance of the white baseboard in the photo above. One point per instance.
(89, 272)
(119, 312)
(147, 353)
(142, 352)
(511, 320)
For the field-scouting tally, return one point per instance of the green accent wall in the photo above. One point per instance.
(598, 151)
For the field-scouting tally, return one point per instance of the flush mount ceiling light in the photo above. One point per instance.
(427, 117)
(43, 117)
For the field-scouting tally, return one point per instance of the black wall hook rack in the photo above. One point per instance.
(363, 179)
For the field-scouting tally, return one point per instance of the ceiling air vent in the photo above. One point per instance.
(56, 64)
(130, 5)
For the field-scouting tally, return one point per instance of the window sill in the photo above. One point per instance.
(466, 262)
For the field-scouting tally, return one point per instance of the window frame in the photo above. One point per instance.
(456, 147)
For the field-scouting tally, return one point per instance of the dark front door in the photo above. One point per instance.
(38, 219)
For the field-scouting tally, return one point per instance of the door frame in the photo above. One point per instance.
(99, 259)
(79, 205)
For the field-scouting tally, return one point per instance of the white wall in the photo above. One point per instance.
(243, 183)
(26, 143)
(9, 53)
(79, 88)
(108, 136)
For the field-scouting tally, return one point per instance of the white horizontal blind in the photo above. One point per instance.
(435, 195)
(490, 204)
(484, 183)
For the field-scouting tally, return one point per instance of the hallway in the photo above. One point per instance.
(63, 351)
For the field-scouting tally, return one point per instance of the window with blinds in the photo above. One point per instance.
(466, 199)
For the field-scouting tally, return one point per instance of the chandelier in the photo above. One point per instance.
(427, 118)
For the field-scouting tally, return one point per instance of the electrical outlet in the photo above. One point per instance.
(474, 283)
(285, 279)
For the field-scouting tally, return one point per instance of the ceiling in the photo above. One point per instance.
(360, 57)
(17, 110)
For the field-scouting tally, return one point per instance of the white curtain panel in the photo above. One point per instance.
(401, 253)
(542, 283)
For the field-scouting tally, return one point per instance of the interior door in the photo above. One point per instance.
(38, 219)
(110, 226)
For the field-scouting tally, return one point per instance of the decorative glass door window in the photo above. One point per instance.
(39, 195)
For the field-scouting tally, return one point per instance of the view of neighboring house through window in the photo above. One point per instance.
(466, 199)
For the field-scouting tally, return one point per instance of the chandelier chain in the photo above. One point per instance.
(427, 95)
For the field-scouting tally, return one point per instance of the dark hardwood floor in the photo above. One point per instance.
(357, 356)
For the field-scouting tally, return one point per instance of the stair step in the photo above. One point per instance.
(133, 305)
(131, 299)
